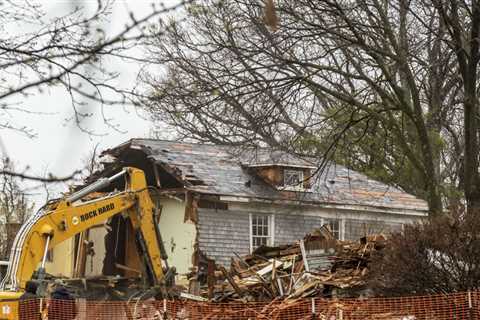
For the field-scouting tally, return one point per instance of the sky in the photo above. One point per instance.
(60, 146)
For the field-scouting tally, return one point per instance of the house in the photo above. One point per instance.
(218, 201)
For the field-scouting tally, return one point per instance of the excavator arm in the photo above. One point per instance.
(66, 218)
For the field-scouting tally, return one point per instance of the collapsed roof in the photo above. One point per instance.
(226, 171)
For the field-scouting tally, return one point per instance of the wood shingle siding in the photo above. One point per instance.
(355, 229)
(290, 228)
(221, 232)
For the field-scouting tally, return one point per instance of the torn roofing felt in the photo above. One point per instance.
(222, 170)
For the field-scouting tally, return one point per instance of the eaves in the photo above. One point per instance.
(410, 211)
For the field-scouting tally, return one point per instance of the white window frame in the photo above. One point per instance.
(271, 229)
(293, 187)
(341, 226)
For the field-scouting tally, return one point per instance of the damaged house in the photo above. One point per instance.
(217, 202)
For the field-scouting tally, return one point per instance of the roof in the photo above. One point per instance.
(223, 170)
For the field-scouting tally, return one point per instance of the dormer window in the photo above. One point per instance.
(285, 177)
(293, 179)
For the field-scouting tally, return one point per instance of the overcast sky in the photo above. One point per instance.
(60, 146)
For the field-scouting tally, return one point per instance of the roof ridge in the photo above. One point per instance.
(179, 142)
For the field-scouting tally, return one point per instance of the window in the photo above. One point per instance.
(293, 179)
(335, 227)
(261, 230)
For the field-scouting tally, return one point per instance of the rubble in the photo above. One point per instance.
(318, 265)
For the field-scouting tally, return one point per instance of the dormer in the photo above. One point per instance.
(285, 176)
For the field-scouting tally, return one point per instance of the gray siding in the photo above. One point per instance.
(221, 232)
(289, 228)
(355, 229)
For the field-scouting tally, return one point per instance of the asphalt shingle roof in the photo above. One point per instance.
(222, 170)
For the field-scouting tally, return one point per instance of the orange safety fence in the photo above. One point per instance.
(432, 307)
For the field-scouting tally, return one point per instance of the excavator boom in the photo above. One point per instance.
(66, 218)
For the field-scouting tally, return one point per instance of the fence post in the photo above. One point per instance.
(314, 311)
(470, 305)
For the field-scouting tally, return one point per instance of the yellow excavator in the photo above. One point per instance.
(63, 219)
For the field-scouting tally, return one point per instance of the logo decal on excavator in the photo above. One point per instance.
(75, 220)
(6, 309)
(96, 212)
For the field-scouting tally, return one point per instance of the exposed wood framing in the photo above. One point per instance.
(191, 207)
(157, 176)
(79, 269)
(123, 267)
(231, 281)
(173, 173)
(174, 191)
(271, 175)
(305, 262)
(211, 278)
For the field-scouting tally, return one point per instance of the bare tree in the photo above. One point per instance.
(374, 84)
(71, 52)
(462, 21)
(92, 162)
(15, 208)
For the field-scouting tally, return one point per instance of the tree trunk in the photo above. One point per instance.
(471, 178)
(434, 199)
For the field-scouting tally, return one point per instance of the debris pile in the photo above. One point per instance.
(318, 265)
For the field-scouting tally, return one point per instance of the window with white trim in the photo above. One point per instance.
(293, 179)
(261, 230)
(335, 226)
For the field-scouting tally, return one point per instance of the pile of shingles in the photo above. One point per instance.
(318, 265)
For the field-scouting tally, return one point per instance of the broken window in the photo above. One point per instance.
(293, 179)
(335, 227)
(261, 230)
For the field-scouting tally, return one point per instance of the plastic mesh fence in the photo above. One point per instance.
(433, 307)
